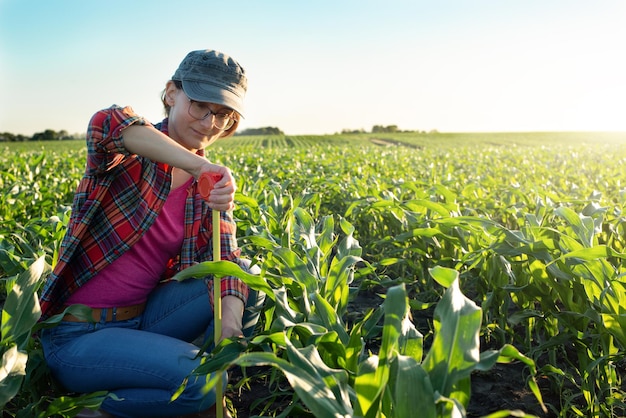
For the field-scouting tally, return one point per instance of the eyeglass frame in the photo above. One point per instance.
(229, 115)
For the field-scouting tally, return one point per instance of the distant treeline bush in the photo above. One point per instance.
(268, 130)
(383, 129)
(47, 135)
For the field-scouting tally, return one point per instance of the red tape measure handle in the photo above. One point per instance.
(206, 182)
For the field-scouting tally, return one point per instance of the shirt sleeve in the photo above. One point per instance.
(105, 145)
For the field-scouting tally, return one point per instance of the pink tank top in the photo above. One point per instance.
(130, 278)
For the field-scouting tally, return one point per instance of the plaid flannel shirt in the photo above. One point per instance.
(117, 200)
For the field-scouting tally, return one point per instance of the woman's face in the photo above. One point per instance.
(191, 133)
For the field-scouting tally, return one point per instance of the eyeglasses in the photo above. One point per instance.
(221, 120)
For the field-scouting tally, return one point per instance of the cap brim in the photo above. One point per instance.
(205, 92)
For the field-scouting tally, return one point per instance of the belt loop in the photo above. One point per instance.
(103, 316)
(113, 314)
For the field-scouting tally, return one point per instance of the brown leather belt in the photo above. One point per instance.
(112, 314)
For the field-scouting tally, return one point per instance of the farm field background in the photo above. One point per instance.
(510, 245)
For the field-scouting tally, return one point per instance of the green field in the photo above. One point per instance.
(391, 261)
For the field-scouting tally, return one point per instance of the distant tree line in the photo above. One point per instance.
(268, 130)
(47, 135)
(383, 129)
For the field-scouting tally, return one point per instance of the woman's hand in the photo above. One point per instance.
(222, 196)
(232, 317)
(231, 333)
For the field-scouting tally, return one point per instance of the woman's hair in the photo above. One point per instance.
(179, 85)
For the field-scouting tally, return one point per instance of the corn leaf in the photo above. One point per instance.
(455, 349)
(369, 384)
(12, 373)
(223, 269)
(411, 388)
(21, 309)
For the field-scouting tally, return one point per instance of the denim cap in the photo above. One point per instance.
(214, 77)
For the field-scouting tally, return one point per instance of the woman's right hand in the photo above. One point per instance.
(222, 197)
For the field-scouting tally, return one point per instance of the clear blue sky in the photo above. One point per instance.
(318, 67)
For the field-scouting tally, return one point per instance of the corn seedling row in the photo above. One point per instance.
(512, 245)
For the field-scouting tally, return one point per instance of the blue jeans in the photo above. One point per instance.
(143, 360)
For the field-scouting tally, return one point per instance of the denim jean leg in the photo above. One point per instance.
(179, 309)
(150, 367)
(148, 355)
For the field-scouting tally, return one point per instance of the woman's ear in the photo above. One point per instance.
(170, 93)
(231, 131)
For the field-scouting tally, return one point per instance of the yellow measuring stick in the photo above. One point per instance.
(206, 181)
(217, 308)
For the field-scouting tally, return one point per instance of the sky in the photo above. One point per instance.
(320, 67)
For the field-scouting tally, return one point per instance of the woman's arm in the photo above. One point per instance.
(151, 143)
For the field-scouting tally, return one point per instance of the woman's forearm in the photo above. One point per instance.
(149, 142)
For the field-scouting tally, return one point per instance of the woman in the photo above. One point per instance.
(137, 219)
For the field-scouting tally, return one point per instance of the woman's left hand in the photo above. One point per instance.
(232, 316)
(231, 333)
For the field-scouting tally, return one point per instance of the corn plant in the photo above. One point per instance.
(324, 361)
